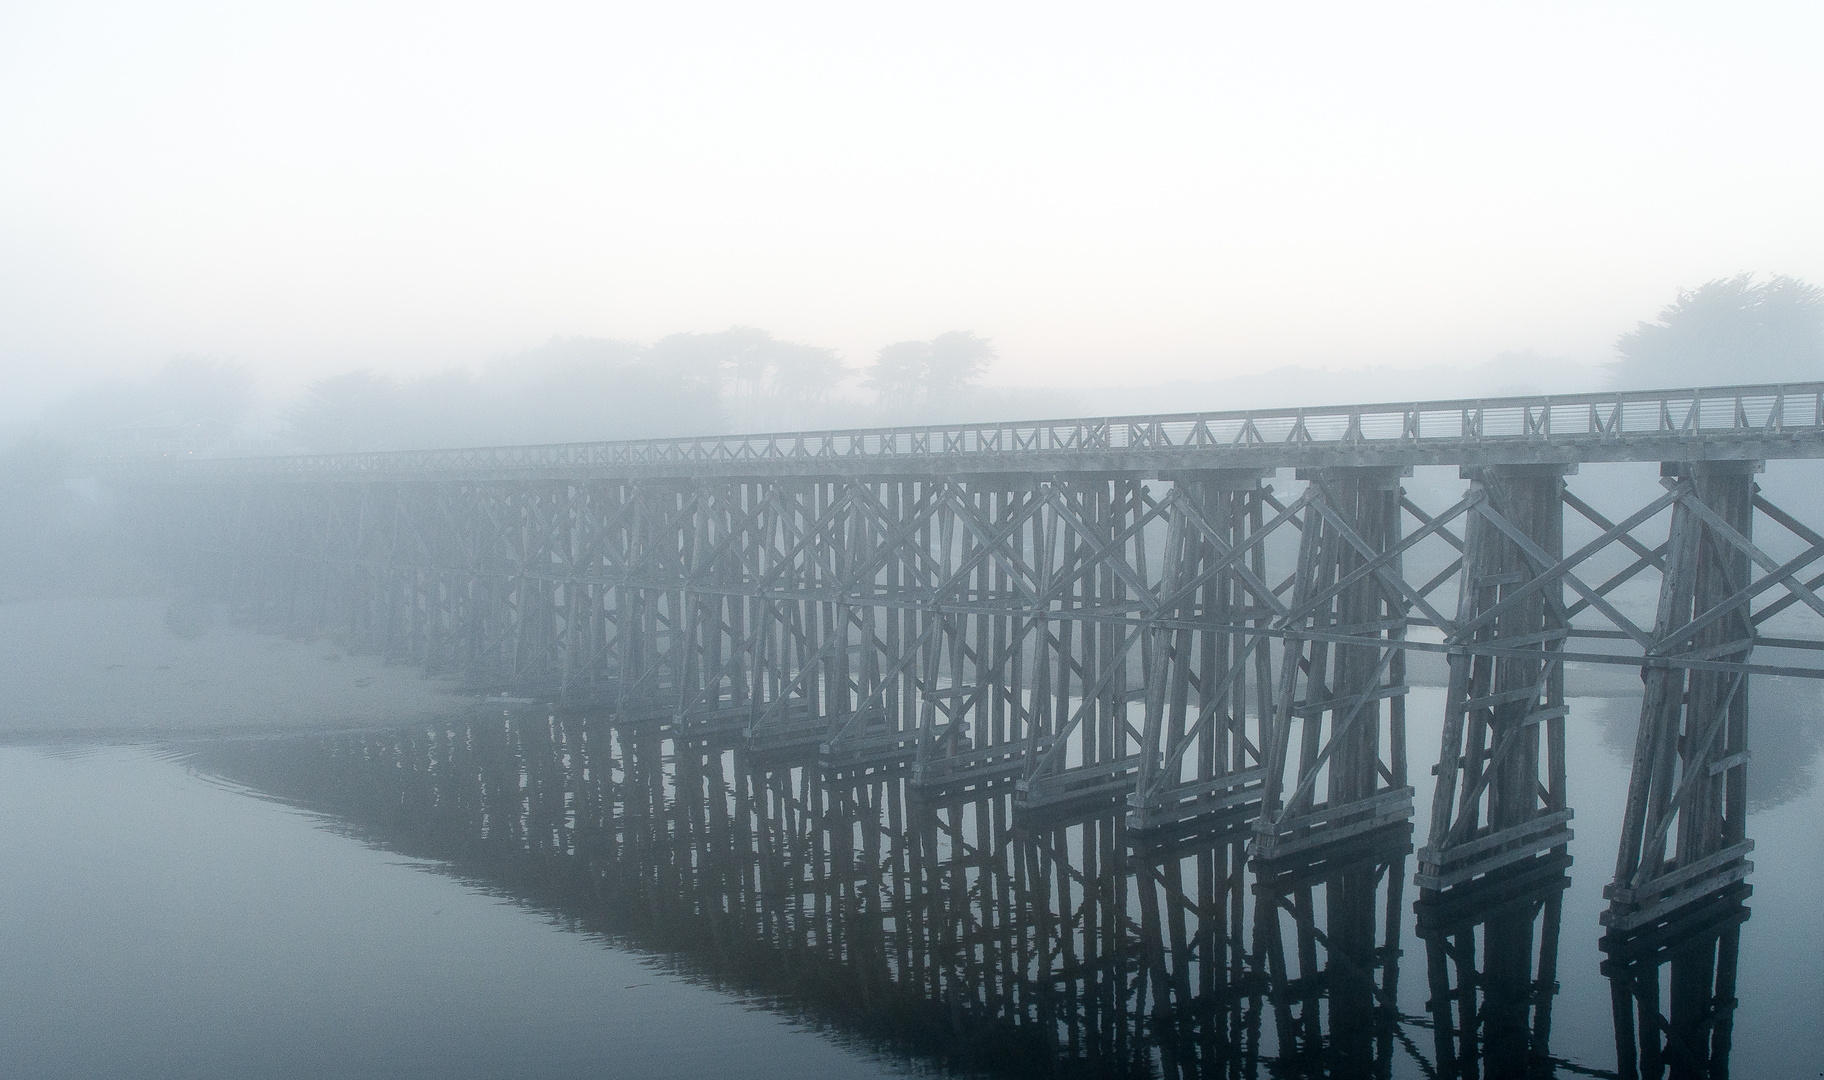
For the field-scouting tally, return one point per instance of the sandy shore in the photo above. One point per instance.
(111, 668)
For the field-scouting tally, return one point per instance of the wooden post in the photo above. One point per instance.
(1200, 753)
(1344, 635)
(1690, 757)
(1500, 794)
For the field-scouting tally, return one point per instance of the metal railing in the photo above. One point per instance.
(1649, 419)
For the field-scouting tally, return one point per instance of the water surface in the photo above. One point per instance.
(546, 896)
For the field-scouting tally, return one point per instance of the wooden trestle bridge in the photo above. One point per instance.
(1211, 616)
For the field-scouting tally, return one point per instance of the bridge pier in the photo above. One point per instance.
(1691, 752)
(980, 715)
(1500, 790)
(1209, 682)
(1342, 657)
(1090, 582)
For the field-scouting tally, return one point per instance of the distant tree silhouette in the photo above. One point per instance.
(727, 361)
(1730, 330)
(586, 389)
(957, 359)
(187, 399)
(752, 366)
(359, 410)
(579, 390)
(931, 372)
(805, 374)
(898, 372)
(566, 390)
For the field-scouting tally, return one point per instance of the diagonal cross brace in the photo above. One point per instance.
(1337, 731)
(1786, 577)
(1235, 555)
(1211, 535)
(1696, 769)
(1378, 562)
(1546, 572)
(1395, 585)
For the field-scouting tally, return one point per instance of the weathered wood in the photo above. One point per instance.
(1493, 804)
(1692, 721)
(1352, 520)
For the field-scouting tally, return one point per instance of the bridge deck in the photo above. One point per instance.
(1720, 423)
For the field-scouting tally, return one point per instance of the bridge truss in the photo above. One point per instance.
(1209, 616)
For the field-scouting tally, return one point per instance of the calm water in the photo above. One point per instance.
(539, 897)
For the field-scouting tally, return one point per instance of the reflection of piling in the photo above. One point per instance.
(1043, 946)
(1359, 884)
(1683, 1029)
(1207, 988)
(1492, 1007)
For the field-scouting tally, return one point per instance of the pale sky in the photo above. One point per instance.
(1117, 191)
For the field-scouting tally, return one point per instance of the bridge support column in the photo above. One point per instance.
(1343, 648)
(1200, 756)
(883, 559)
(982, 718)
(1691, 753)
(1086, 750)
(1500, 794)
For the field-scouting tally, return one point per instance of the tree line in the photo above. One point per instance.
(1730, 330)
(581, 389)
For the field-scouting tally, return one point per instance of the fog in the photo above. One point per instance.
(1741, 329)
(394, 778)
(1189, 192)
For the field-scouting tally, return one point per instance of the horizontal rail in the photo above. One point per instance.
(1768, 421)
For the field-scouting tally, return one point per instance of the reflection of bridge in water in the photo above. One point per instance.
(1022, 944)
(1100, 611)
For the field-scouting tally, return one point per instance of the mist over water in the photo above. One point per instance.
(168, 925)
(291, 789)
